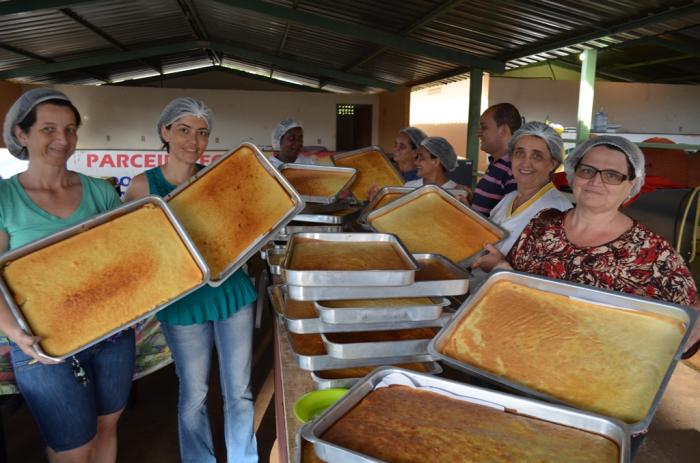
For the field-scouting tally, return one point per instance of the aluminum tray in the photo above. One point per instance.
(259, 241)
(423, 286)
(432, 368)
(459, 256)
(274, 257)
(587, 293)
(360, 313)
(341, 217)
(314, 324)
(349, 277)
(286, 232)
(80, 228)
(368, 349)
(352, 173)
(271, 247)
(327, 451)
(326, 362)
(372, 205)
(383, 174)
(325, 208)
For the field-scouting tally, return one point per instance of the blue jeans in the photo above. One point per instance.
(65, 411)
(191, 346)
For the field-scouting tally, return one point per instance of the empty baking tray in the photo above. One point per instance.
(318, 184)
(232, 207)
(436, 276)
(350, 259)
(374, 169)
(526, 409)
(347, 377)
(582, 349)
(101, 277)
(430, 220)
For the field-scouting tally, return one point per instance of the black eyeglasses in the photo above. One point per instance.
(609, 176)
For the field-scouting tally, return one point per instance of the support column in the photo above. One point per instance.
(585, 95)
(475, 87)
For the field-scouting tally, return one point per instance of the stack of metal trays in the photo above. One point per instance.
(397, 405)
(377, 307)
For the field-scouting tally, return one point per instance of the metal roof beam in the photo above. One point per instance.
(197, 27)
(681, 47)
(366, 34)
(133, 55)
(669, 14)
(27, 6)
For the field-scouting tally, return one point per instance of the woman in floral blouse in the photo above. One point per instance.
(595, 243)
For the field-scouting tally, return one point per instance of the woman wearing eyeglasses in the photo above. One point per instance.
(595, 243)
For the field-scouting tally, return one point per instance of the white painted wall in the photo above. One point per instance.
(128, 115)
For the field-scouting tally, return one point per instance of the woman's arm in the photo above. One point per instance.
(138, 188)
(489, 259)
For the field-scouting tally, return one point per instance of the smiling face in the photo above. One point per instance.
(428, 165)
(404, 153)
(593, 193)
(532, 163)
(53, 137)
(187, 138)
(494, 138)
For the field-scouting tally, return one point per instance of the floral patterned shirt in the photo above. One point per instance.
(638, 262)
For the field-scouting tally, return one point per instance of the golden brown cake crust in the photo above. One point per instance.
(386, 199)
(373, 169)
(308, 344)
(382, 336)
(230, 207)
(430, 224)
(82, 288)
(601, 359)
(316, 182)
(405, 425)
(309, 254)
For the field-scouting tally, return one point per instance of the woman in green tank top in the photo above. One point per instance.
(221, 316)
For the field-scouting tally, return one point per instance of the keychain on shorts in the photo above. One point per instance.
(78, 372)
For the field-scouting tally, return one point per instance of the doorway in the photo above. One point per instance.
(353, 126)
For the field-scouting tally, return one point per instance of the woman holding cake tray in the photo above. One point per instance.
(221, 316)
(76, 404)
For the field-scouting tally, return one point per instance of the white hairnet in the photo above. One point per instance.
(632, 152)
(21, 109)
(415, 134)
(282, 128)
(540, 130)
(441, 149)
(183, 107)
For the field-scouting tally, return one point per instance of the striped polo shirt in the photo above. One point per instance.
(497, 182)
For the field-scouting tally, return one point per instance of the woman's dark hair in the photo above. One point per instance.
(630, 168)
(30, 119)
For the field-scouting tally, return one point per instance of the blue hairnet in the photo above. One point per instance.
(282, 128)
(183, 107)
(441, 149)
(19, 110)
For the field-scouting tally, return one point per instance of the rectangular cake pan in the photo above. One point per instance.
(349, 277)
(330, 199)
(368, 349)
(313, 431)
(341, 217)
(387, 190)
(274, 257)
(366, 313)
(80, 228)
(260, 240)
(431, 368)
(382, 173)
(436, 276)
(587, 293)
(287, 231)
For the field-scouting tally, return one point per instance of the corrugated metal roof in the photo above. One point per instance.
(364, 44)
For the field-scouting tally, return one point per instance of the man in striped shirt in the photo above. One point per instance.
(496, 126)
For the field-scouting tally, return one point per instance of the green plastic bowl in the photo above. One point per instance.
(312, 404)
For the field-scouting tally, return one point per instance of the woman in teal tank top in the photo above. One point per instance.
(221, 316)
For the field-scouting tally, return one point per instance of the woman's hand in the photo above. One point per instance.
(372, 192)
(465, 197)
(26, 343)
(489, 259)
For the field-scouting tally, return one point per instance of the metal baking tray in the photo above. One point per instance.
(341, 217)
(286, 232)
(326, 362)
(327, 199)
(587, 293)
(309, 322)
(361, 311)
(274, 257)
(349, 277)
(378, 171)
(425, 284)
(313, 431)
(271, 247)
(380, 197)
(453, 251)
(80, 228)
(369, 348)
(325, 208)
(265, 235)
(431, 368)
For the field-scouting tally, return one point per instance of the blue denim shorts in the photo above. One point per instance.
(66, 411)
